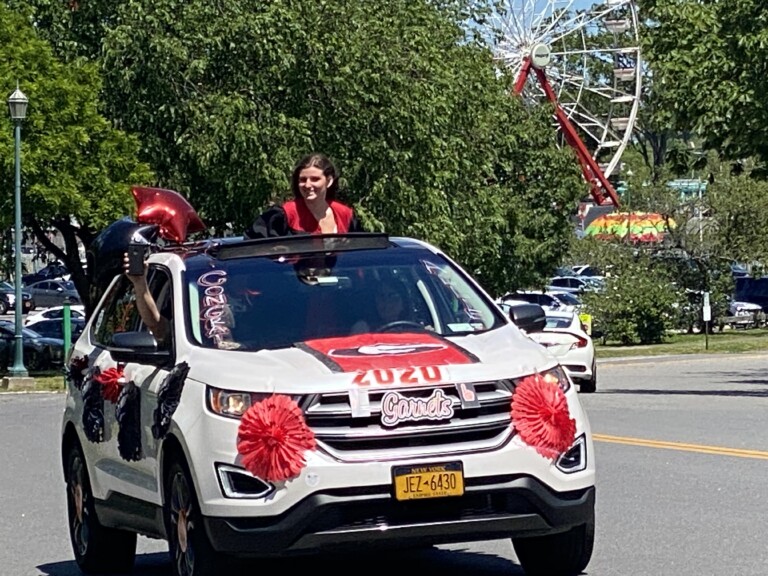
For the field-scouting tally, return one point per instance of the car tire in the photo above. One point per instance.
(38, 361)
(589, 386)
(3, 307)
(563, 554)
(98, 549)
(190, 549)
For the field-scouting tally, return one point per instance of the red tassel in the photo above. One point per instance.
(540, 415)
(273, 437)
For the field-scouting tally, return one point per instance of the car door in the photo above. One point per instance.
(129, 455)
(49, 292)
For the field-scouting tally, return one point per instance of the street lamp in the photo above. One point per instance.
(17, 103)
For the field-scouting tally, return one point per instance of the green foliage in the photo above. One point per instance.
(708, 59)
(637, 304)
(76, 168)
(431, 143)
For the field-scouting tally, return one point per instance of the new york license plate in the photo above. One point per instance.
(428, 481)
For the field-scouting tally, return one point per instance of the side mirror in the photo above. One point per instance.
(528, 317)
(139, 347)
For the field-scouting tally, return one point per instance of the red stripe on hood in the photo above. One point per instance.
(379, 351)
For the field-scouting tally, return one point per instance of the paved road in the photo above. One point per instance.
(682, 456)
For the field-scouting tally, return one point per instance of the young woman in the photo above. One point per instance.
(313, 209)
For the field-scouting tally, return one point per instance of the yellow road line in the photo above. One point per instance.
(703, 449)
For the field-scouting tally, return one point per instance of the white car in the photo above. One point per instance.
(261, 426)
(565, 337)
(569, 302)
(739, 308)
(76, 311)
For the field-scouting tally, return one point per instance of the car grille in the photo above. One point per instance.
(361, 437)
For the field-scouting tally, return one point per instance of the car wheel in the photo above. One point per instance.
(3, 307)
(588, 386)
(564, 554)
(188, 545)
(38, 361)
(97, 549)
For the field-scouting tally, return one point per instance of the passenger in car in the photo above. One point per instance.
(157, 323)
(314, 208)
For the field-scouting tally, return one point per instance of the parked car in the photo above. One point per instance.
(40, 353)
(8, 299)
(739, 308)
(573, 284)
(546, 301)
(587, 270)
(567, 339)
(75, 311)
(54, 328)
(5, 303)
(568, 300)
(54, 292)
(259, 428)
(53, 271)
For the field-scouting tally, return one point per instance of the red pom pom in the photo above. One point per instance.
(110, 383)
(540, 415)
(273, 437)
(169, 210)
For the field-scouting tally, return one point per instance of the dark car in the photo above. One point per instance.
(54, 292)
(40, 353)
(8, 298)
(54, 328)
(50, 272)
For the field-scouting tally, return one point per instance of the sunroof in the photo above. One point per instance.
(299, 244)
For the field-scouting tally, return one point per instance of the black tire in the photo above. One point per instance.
(188, 545)
(589, 386)
(564, 554)
(98, 549)
(3, 307)
(37, 361)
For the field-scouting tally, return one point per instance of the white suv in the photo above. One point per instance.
(269, 423)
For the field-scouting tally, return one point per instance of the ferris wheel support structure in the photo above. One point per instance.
(601, 189)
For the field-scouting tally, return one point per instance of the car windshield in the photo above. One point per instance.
(559, 321)
(274, 302)
(568, 298)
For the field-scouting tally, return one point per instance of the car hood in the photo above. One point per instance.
(373, 359)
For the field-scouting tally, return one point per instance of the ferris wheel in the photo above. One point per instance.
(585, 59)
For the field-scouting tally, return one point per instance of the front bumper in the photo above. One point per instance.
(491, 508)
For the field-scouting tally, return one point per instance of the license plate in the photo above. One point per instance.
(428, 481)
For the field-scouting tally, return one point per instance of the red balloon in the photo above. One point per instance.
(169, 210)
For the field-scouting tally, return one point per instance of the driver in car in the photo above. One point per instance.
(391, 305)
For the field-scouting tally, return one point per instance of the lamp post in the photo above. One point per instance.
(17, 103)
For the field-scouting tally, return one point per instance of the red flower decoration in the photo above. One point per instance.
(110, 383)
(540, 415)
(272, 438)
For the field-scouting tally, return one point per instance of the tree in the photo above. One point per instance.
(76, 168)
(226, 96)
(708, 57)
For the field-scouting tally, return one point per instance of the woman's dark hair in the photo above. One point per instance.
(316, 160)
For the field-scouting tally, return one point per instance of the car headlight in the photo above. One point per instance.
(557, 376)
(232, 403)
